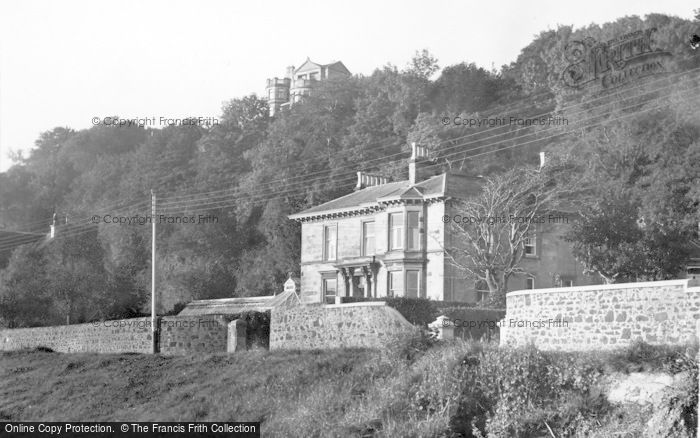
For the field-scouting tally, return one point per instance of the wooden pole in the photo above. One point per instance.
(154, 322)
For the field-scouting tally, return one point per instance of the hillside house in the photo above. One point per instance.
(299, 82)
(388, 239)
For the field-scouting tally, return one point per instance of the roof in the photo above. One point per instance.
(235, 306)
(310, 65)
(446, 185)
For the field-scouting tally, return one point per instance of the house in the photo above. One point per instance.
(282, 93)
(389, 238)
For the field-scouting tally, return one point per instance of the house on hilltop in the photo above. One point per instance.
(388, 239)
(298, 82)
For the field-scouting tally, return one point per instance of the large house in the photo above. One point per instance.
(281, 93)
(389, 239)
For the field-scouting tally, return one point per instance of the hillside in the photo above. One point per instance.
(405, 391)
(251, 170)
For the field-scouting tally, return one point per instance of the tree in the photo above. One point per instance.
(423, 64)
(76, 278)
(641, 216)
(490, 248)
(24, 297)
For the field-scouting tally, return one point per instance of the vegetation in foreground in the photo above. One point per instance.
(415, 388)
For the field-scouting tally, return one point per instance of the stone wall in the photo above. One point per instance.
(116, 336)
(365, 324)
(602, 316)
(193, 334)
(179, 335)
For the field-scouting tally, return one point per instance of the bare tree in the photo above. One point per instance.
(488, 231)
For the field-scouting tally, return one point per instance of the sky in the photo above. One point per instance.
(64, 63)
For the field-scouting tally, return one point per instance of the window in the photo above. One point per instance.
(560, 281)
(330, 288)
(330, 238)
(530, 282)
(530, 244)
(395, 283)
(368, 238)
(482, 290)
(412, 284)
(396, 231)
(413, 226)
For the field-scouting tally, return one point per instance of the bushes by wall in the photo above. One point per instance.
(417, 311)
(475, 323)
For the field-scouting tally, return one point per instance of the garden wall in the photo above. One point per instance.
(178, 335)
(602, 316)
(364, 324)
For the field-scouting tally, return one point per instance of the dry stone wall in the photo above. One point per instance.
(365, 324)
(602, 316)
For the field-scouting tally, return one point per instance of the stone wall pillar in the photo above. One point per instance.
(237, 333)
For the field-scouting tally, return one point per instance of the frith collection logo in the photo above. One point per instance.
(615, 62)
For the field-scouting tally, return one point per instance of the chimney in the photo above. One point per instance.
(367, 180)
(418, 155)
(541, 160)
(290, 72)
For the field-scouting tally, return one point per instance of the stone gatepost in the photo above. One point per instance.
(237, 334)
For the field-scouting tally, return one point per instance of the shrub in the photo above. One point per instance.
(475, 323)
(417, 311)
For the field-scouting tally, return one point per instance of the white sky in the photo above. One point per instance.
(64, 62)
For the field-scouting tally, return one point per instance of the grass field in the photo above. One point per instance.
(411, 390)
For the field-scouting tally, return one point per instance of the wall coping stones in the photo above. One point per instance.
(357, 304)
(600, 287)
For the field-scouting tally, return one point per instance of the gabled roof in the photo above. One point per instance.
(307, 65)
(310, 65)
(446, 185)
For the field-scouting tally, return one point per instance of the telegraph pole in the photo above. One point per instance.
(154, 322)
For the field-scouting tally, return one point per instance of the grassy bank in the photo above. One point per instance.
(412, 389)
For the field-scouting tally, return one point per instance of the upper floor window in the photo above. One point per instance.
(330, 239)
(413, 231)
(368, 238)
(395, 231)
(530, 245)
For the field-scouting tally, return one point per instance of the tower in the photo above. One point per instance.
(277, 91)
